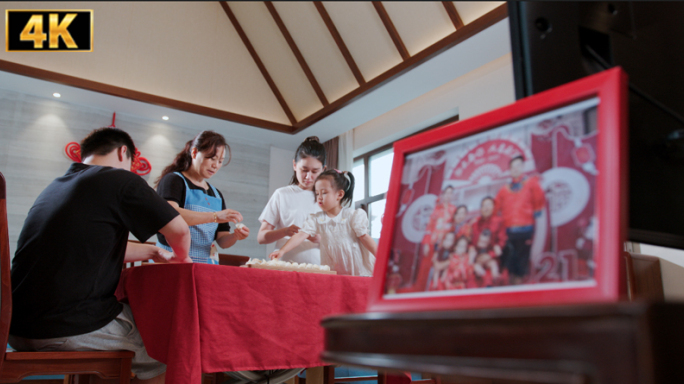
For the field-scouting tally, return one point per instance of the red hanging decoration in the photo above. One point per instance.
(140, 165)
(73, 151)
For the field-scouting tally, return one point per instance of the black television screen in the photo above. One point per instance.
(557, 42)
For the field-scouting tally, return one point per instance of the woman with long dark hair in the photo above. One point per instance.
(184, 185)
(289, 206)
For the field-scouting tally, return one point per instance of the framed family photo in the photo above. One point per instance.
(524, 205)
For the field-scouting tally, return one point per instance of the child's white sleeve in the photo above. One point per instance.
(309, 225)
(359, 222)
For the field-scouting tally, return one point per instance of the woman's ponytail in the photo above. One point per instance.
(180, 163)
(206, 142)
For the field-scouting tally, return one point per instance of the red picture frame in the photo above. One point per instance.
(544, 185)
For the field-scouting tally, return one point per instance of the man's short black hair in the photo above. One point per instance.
(516, 157)
(104, 140)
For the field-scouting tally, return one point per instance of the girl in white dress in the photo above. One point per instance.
(346, 245)
(289, 206)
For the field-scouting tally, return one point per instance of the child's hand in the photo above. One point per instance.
(276, 254)
(497, 250)
(315, 239)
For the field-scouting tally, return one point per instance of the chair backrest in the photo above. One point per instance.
(5, 277)
(234, 260)
(644, 277)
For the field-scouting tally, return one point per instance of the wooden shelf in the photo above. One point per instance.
(607, 343)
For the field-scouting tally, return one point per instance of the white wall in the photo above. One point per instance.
(35, 130)
(480, 90)
(279, 176)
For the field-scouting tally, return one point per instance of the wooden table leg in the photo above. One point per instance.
(315, 375)
(292, 380)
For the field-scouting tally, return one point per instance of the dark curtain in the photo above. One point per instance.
(331, 152)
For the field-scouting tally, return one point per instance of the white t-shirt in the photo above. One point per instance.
(292, 205)
(340, 245)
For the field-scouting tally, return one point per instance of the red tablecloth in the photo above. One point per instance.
(208, 318)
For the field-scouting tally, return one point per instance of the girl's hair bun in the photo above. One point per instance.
(312, 138)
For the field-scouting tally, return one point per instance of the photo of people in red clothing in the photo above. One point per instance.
(511, 208)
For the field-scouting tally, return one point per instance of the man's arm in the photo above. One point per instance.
(177, 235)
(142, 252)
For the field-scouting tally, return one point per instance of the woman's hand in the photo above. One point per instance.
(290, 231)
(241, 233)
(276, 254)
(227, 215)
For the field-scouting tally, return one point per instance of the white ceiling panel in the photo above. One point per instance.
(277, 57)
(365, 36)
(419, 24)
(471, 10)
(318, 48)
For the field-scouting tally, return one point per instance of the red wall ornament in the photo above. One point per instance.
(73, 151)
(140, 165)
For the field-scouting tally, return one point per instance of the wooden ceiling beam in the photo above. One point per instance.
(453, 14)
(257, 60)
(340, 43)
(295, 50)
(462, 34)
(131, 94)
(447, 42)
(389, 25)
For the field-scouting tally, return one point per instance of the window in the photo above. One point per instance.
(372, 176)
(372, 172)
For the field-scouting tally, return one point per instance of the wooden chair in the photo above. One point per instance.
(329, 377)
(381, 378)
(234, 260)
(644, 278)
(16, 365)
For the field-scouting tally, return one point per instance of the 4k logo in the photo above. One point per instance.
(49, 30)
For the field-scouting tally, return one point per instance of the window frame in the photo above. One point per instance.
(367, 200)
(364, 203)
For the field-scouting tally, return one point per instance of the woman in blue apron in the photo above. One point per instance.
(184, 185)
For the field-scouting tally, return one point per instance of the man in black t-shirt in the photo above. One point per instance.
(72, 248)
